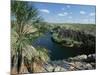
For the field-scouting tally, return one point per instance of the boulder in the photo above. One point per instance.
(49, 68)
(63, 69)
(91, 58)
(80, 66)
(78, 58)
(58, 68)
(89, 66)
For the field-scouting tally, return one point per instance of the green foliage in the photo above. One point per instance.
(23, 12)
(88, 28)
(23, 32)
(42, 27)
(68, 42)
(43, 53)
(74, 36)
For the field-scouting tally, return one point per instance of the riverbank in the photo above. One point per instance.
(79, 54)
(75, 39)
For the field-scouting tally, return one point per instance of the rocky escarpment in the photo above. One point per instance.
(80, 62)
(83, 42)
(75, 39)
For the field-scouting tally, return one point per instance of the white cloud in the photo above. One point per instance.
(92, 14)
(68, 6)
(70, 12)
(70, 17)
(92, 20)
(63, 14)
(60, 14)
(85, 20)
(63, 8)
(82, 12)
(45, 11)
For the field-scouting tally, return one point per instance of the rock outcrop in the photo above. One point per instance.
(80, 62)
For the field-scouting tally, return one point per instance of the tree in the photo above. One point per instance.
(41, 26)
(24, 16)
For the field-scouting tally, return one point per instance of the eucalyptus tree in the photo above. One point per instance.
(24, 16)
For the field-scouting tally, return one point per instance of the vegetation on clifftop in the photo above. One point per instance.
(70, 37)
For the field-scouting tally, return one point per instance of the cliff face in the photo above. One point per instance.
(75, 39)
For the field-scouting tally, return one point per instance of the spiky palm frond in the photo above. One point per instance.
(43, 53)
(22, 33)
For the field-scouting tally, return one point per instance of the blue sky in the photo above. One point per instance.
(66, 13)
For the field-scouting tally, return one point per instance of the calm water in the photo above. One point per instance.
(56, 51)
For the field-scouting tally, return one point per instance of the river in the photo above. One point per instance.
(56, 51)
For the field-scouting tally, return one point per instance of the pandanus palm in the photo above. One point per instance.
(24, 16)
